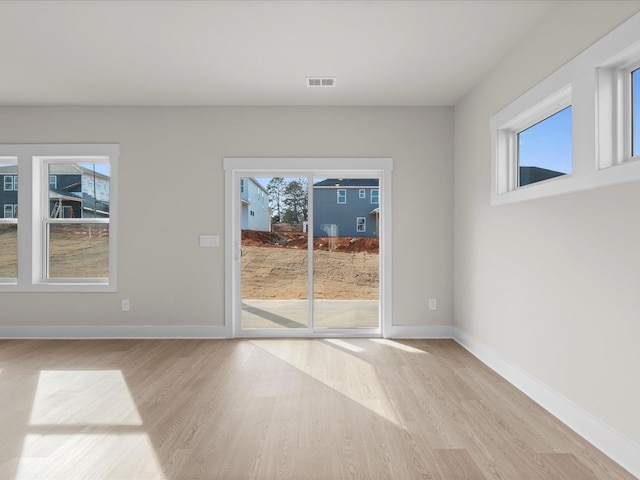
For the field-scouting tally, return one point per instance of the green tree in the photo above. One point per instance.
(296, 201)
(276, 187)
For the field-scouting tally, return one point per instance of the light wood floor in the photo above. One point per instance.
(274, 409)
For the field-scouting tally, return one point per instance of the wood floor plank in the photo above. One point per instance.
(274, 409)
(457, 465)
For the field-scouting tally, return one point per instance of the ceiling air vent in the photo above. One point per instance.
(321, 82)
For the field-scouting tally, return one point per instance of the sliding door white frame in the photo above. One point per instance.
(235, 168)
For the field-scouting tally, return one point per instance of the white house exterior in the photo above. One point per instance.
(256, 214)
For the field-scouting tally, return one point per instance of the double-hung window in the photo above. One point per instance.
(10, 183)
(67, 219)
(375, 196)
(342, 195)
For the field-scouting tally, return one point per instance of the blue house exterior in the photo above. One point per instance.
(74, 192)
(9, 191)
(346, 207)
(256, 213)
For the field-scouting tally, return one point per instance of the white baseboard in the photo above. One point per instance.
(182, 331)
(618, 448)
(419, 331)
(116, 331)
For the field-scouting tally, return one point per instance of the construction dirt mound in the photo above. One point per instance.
(299, 240)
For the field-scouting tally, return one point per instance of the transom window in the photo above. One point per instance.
(602, 87)
(635, 115)
(544, 149)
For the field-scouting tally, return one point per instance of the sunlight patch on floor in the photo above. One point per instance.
(85, 424)
(84, 456)
(399, 346)
(341, 371)
(345, 344)
(84, 397)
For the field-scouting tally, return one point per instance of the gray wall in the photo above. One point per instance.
(550, 285)
(169, 279)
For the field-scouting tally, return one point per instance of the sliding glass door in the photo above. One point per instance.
(274, 256)
(306, 252)
(346, 261)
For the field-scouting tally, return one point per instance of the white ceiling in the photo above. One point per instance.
(254, 52)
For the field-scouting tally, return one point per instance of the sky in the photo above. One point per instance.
(99, 167)
(548, 144)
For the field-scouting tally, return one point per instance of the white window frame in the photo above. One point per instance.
(600, 129)
(507, 162)
(377, 196)
(615, 109)
(344, 197)
(53, 184)
(33, 204)
(362, 224)
(13, 183)
(362, 193)
(12, 210)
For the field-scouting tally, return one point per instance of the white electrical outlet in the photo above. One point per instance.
(126, 305)
(433, 304)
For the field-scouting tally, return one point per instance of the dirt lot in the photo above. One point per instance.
(274, 266)
(80, 251)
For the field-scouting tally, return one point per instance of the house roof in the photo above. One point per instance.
(348, 183)
(8, 169)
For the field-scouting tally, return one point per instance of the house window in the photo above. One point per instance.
(362, 193)
(242, 185)
(602, 86)
(77, 221)
(361, 224)
(544, 149)
(11, 183)
(10, 211)
(69, 243)
(375, 196)
(618, 110)
(342, 195)
(635, 116)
